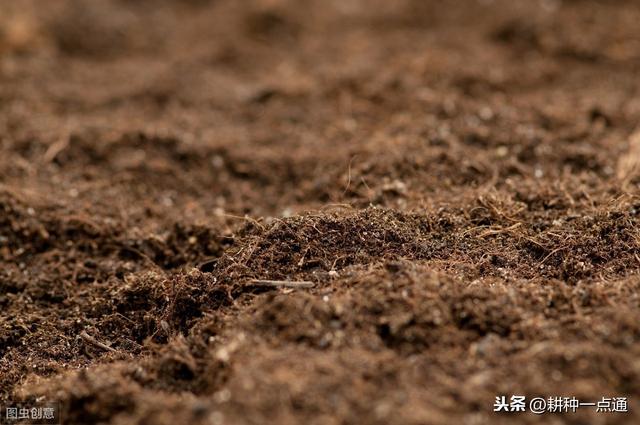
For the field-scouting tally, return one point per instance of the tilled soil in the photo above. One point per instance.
(459, 181)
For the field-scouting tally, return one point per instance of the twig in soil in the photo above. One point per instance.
(246, 218)
(55, 148)
(369, 190)
(125, 318)
(304, 254)
(552, 252)
(349, 176)
(497, 232)
(207, 265)
(79, 218)
(91, 340)
(283, 283)
(338, 205)
(485, 203)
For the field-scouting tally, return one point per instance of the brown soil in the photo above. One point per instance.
(458, 179)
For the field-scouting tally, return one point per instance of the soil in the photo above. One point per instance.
(459, 180)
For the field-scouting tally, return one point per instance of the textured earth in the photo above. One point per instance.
(458, 180)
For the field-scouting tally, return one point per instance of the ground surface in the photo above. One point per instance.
(458, 179)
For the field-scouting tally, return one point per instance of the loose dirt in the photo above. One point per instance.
(458, 180)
